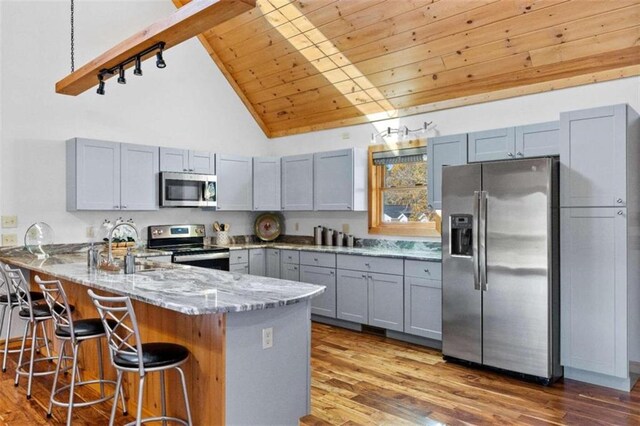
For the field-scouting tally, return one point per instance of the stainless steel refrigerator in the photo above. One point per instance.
(500, 294)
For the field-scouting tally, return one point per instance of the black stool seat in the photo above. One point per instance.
(41, 310)
(83, 328)
(153, 355)
(35, 295)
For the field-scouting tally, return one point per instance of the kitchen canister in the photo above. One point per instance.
(338, 238)
(317, 235)
(350, 240)
(327, 236)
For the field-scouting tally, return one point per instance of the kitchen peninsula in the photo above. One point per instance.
(220, 316)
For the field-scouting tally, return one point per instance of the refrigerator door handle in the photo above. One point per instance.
(483, 241)
(474, 238)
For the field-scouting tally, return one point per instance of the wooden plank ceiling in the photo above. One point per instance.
(314, 64)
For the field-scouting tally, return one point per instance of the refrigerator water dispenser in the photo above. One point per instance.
(461, 233)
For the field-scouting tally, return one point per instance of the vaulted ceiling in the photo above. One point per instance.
(314, 64)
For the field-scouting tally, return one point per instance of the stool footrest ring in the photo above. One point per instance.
(85, 403)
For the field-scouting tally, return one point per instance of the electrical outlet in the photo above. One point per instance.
(9, 240)
(9, 221)
(345, 228)
(267, 338)
(346, 136)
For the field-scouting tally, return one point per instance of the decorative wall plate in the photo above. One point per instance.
(268, 226)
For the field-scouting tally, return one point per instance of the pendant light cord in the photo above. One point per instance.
(73, 65)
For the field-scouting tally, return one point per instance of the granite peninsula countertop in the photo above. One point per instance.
(432, 255)
(186, 289)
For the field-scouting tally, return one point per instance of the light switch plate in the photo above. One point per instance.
(9, 240)
(9, 221)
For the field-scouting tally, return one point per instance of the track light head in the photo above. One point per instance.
(100, 90)
(160, 63)
(121, 78)
(138, 69)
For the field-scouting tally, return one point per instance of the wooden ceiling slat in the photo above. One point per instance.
(403, 73)
(556, 34)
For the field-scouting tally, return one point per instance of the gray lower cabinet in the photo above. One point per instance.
(352, 295)
(489, 145)
(325, 304)
(289, 271)
(266, 183)
(537, 140)
(235, 182)
(593, 156)
(297, 182)
(272, 262)
(443, 151)
(386, 301)
(594, 290)
(257, 262)
(423, 307)
(239, 268)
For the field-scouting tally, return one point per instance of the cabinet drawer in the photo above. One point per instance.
(423, 269)
(239, 268)
(238, 256)
(371, 264)
(290, 256)
(328, 260)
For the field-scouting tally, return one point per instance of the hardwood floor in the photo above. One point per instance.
(361, 379)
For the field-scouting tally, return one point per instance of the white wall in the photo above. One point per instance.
(509, 112)
(188, 104)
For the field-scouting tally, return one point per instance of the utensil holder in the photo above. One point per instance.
(222, 238)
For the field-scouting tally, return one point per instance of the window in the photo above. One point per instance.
(398, 190)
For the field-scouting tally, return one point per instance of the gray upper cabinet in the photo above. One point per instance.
(443, 151)
(352, 292)
(202, 162)
(184, 160)
(235, 182)
(257, 262)
(537, 140)
(297, 182)
(139, 169)
(340, 180)
(272, 263)
(324, 304)
(594, 290)
(489, 145)
(386, 301)
(104, 175)
(93, 175)
(266, 183)
(593, 146)
(174, 160)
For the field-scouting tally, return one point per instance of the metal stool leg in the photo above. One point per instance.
(163, 398)
(55, 378)
(46, 339)
(139, 407)
(186, 395)
(24, 341)
(6, 337)
(34, 342)
(101, 368)
(115, 398)
(74, 346)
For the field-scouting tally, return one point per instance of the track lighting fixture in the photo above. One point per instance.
(100, 90)
(138, 69)
(159, 61)
(121, 79)
(137, 59)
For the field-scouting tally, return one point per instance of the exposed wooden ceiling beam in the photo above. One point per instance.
(187, 22)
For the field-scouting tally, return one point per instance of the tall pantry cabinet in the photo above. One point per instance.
(600, 245)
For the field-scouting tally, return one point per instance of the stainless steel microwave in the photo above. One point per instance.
(187, 190)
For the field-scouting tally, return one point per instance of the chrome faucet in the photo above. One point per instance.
(110, 237)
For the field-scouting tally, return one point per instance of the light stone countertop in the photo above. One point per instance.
(186, 289)
(434, 255)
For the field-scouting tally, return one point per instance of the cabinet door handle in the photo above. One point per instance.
(124, 207)
(427, 271)
(619, 201)
(519, 154)
(315, 259)
(185, 170)
(331, 273)
(295, 268)
(510, 155)
(368, 265)
(620, 212)
(364, 275)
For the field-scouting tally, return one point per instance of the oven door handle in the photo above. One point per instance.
(193, 257)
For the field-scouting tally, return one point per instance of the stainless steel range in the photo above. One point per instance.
(186, 242)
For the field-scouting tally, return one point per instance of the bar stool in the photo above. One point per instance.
(128, 354)
(9, 300)
(73, 332)
(34, 314)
